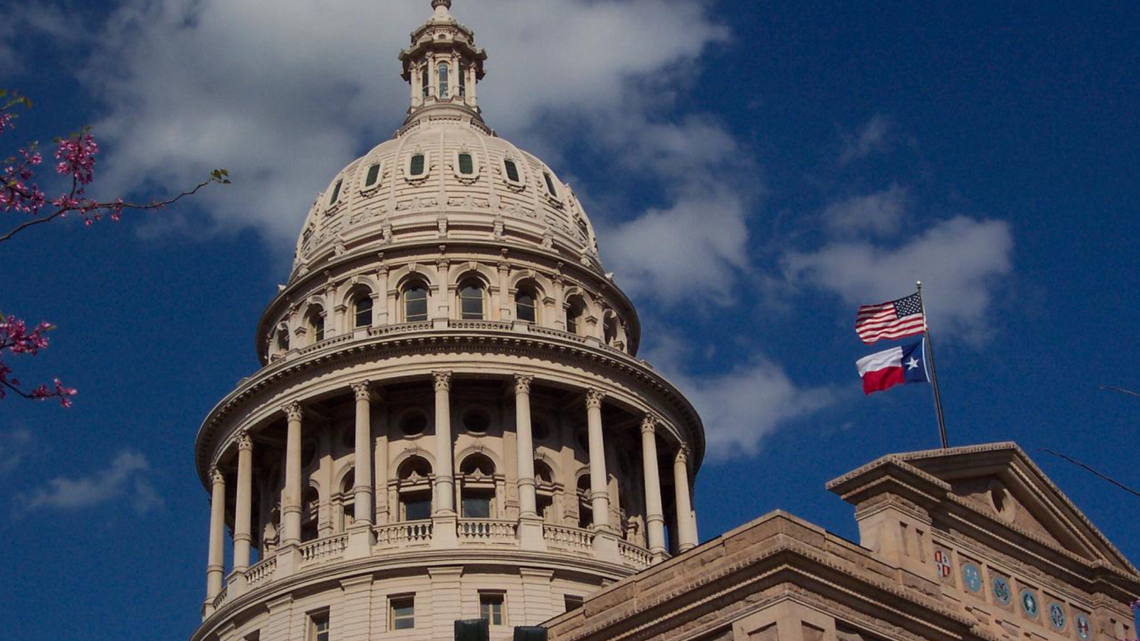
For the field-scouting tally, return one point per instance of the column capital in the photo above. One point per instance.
(362, 390)
(293, 411)
(244, 442)
(649, 423)
(216, 475)
(442, 381)
(683, 453)
(594, 398)
(522, 383)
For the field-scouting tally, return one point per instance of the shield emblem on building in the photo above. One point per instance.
(942, 562)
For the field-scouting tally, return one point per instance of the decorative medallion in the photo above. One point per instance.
(1057, 616)
(972, 577)
(942, 563)
(1083, 627)
(1003, 594)
(1029, 603)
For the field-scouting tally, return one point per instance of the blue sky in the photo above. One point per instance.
(756, 171)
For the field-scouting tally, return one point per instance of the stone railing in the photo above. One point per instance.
(486, 530)
(478, 324)
(634, 556)
(568, 538)
(408, 532)
(328, 548)
(403, 328)
(328, 342)
(220, 600)
(263, 571)
(557, 333)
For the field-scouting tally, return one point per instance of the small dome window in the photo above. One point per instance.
(550, 184)
(444, 69)
(512, 170)
(415, 304)
(425, 81)
(471, 301)
(317, 325)
(463, 80)
(466, 164)
(336, 192)
(575, 315)
(363, 312)
(476, 421)
(417, 166)
(413, 424)
(540, 431)
(373, 176)
(525, 307)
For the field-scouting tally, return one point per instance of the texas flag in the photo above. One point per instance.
(898, 366)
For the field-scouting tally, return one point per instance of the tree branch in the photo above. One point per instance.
(1098, 474)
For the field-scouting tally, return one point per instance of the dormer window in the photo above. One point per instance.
(550, 184)
(336, 192)
(512, 170)
(466, 164)
(417, 166)
(444, 68)
(373, 176)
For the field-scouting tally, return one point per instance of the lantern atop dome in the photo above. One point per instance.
(443, 65)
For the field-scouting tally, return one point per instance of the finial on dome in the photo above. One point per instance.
(436, 4)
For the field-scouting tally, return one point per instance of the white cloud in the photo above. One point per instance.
(126, 477)
(871, 137)
(743, 406)
(14, 446)
(285, 98)
(879, 213)
(961, 262)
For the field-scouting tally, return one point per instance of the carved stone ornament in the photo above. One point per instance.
(522, 383)
(216, 476)
(594, 398)
(649, 424)
(244, 442)
(293, 411)
(362, 390)
(442, 381)
(682, 454)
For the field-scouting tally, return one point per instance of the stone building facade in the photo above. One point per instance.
(450, 422)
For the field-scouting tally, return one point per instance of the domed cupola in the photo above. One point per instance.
(445, 176)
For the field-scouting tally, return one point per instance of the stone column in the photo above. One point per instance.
(291, 497)
(362, 492)
(444, 476)
(655, 515)
(600, 498)
(216, 562)
(243, 509)
(686, 529)
(525, 456)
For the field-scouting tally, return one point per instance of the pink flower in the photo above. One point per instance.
(76, 158)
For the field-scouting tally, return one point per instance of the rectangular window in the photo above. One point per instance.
(477, 507)
(402, 612)
(373, 175)
(573, 602)
(550, 185)
(512, 170)
(417, 509)
(491, 607)
(466, 164)
(319, 627)
(336, 192)
(418, 165)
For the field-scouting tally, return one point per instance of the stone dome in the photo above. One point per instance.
(445, 174)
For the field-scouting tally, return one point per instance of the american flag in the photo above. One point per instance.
(896, 319)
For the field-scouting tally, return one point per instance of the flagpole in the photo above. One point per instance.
(933, 371)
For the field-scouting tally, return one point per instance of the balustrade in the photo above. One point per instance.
(325, 549)
(261, 572)
(634, 556)
(568, 538)
(220, 600)
(408, 532)
(486, 530)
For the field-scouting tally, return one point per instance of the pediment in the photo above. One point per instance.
(1001, 482)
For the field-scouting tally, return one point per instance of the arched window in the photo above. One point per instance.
(585, 507)
(512, 171)
(336, 192)
(417, 166)
(363, 312)
(425, 81)
(544, 490)
(282, 340)
(348, 501)
(444, 68)
(317, 325)
(550, 184)
(414, 489)
(609, 329)
(463, 79)
(310, 510)
(575, 316)
(415, 303)
(466, 164)
(526, 307)
(373, 176)
(471, 300)
(478, 490)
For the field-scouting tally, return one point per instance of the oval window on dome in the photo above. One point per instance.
(512, 171)
(418, 165)
(336, 192)
(466, 164)
(550, 184)
(373, 176)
